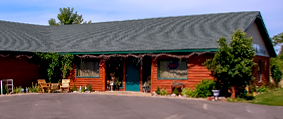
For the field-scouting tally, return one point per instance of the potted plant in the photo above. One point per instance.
(89, 88)
(215, 92)
(117, 83)
(74, 89)
(82, 89)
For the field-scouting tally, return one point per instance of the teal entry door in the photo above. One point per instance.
(132, 75)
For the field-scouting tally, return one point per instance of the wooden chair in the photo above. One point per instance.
(55, 86)
(65, 85)
(42, 86)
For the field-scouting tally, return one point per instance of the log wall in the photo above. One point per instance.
(98, 84)
(196, 72)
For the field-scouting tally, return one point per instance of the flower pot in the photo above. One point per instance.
(216, 93)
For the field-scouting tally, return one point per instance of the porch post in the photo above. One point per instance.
(103, 75)
(141, 77)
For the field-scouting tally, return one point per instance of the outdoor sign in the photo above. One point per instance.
(172, 65)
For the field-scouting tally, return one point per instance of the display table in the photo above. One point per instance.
(146, 89)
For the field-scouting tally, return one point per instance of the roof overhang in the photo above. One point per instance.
(141, 52)
(264, 34)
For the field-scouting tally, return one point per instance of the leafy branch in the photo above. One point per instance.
(56, 66)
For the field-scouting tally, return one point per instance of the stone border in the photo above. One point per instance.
(129, 94)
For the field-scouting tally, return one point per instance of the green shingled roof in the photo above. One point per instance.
(181, 33)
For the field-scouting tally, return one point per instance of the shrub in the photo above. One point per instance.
(74, 88)
(17, 89)
(262, 89)
(33, 88)
(252, 87)
(89, 88)
(245, 96)
(187, 91)
(276, 73)
(157, 91)
(204, 88)
(83, 89)
(176, 91)
(5, 90)
(163, 92)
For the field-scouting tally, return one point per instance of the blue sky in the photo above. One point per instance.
(40, 11)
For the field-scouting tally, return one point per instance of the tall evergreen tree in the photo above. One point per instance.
(67, 16)
(232, 65)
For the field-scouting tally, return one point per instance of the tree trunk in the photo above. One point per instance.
(233, 92)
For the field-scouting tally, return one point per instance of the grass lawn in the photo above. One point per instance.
(273, 97)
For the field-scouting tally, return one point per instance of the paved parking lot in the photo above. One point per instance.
(99, 106)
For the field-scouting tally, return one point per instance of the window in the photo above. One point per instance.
(172, 70)
(88, 69)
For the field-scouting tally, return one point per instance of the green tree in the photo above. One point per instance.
(276, 64)
(52, 22)
(232, 65)
(276, 73)
(67, 16)
(55, 66)
(278, 39)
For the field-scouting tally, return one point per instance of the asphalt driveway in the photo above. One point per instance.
(93, 106)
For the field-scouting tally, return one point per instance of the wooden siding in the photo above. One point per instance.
(196, 72)
(98, 84)
(20, 70)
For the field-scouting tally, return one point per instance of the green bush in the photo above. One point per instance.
(252, 87)
(276, 73)
(157, 91)
(204, 88)
(262, 89)
(176, 91)
(187, 91)
(163, 92)
(5, 90)
(17, 89)
(33, 88)
(89, 88)
(74, 88)
(245, 96)
(83, 89)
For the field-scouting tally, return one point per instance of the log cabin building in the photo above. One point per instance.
(158, 51)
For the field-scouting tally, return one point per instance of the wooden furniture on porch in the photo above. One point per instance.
(42, 86)
(55, 86)
(146, 88)
(65, 85)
